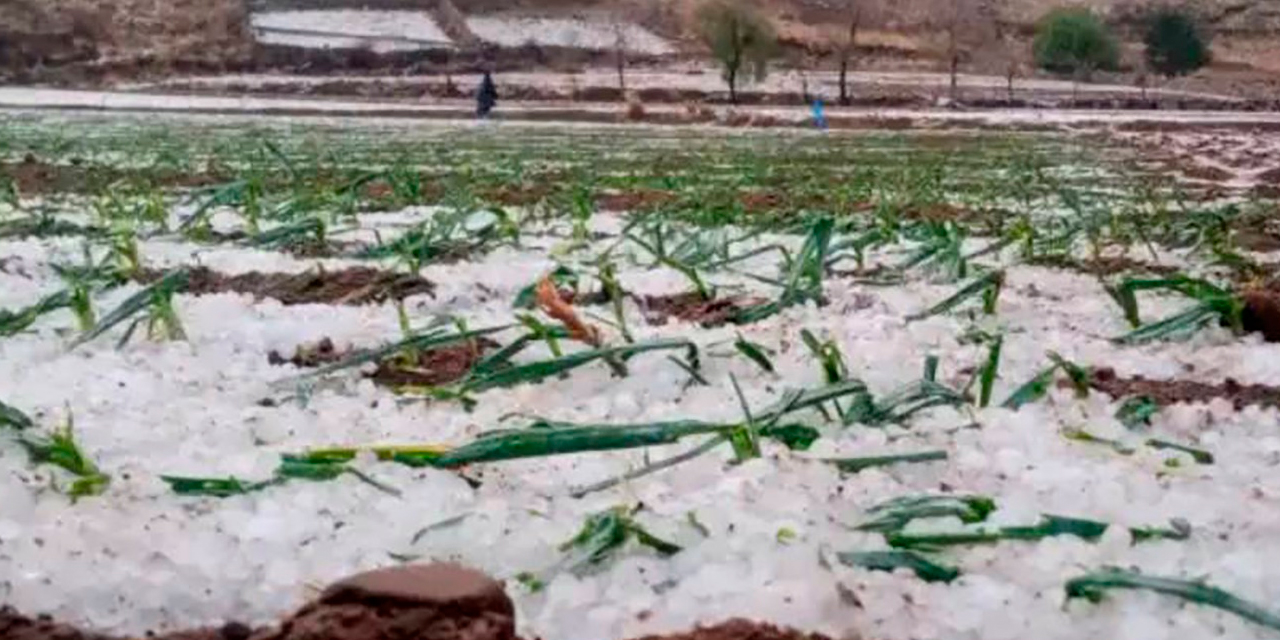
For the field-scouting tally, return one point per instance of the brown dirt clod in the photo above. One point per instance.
(353, 286)
(424, 602)
(433, 368)
(34, 176)
(632, 200)
(442, 584)
(691, 307)
(1262, 313)
(739, 629)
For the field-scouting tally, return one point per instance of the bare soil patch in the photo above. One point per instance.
(427, 368)
(1262, 311)
(365, 615)
(637, 199)
(1148, 126)
(1167, 392)
(1266, 191)
(1255, 239)
(939, 212)
(1270, 176)
(354, 286)
(14, 626)
(1207, 173)
(1104, 266)
(691, 307)
(432, 368)
(739, 629)
(302, 247)
(33, 176)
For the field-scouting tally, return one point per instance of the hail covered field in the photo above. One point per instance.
(886, 385)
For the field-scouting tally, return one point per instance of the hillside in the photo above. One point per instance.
(81, 40)
(1253, 17)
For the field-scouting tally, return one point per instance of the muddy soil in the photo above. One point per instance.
(1270, 176)
(1266, 191)
(1255, 238)
(1204, 172)
(691, 307)
(641, 199)
(33, 176)
(1262, 311)
(1167, 392)
(739, 629)
(1105, 266)
(353, 286)
(937, 212)
(438, 601)
(305, 247)
(1169, 126)
(634, 200)
(432, 368)
(14, 626)
(342, 623)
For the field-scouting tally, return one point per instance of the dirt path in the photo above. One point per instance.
(705, 79)
(28, 98)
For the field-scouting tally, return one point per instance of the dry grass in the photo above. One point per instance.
(1260, 53)
(818, 37)
(177, 29)
(156, 31)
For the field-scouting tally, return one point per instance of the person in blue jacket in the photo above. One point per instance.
(819, 116)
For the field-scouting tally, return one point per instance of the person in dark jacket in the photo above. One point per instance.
(486, 97)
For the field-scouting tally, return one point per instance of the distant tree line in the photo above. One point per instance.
(1069, 41)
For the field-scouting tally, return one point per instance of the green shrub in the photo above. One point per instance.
(1175, 44)
(1075, 41)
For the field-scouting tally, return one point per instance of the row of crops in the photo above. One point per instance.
(903, 385)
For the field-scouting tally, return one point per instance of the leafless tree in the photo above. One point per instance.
(1002, 52)
(968, 26)
(855, 15)
(1142, 76)
(620, 54)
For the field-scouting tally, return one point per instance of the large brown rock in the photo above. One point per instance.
(419, 602)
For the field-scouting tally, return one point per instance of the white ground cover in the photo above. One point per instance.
(19, 98)
(140, 557)
(381, 31)
(567, 32)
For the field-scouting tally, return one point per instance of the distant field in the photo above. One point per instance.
(892, 385)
